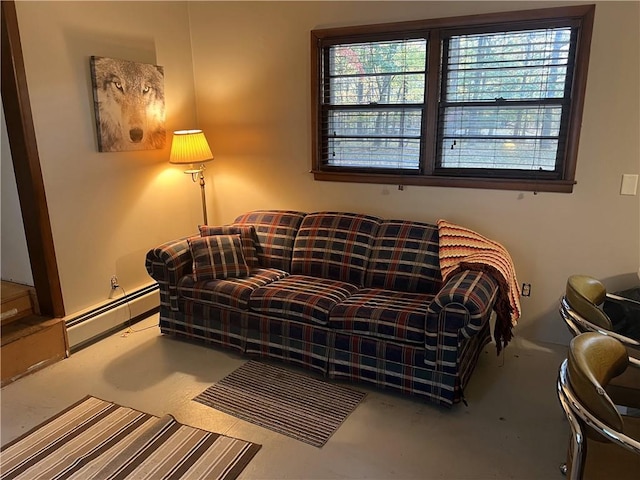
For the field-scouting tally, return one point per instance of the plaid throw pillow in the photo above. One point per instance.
(248, 238)
(217, 257)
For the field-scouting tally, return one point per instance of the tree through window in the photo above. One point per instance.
(489, 101)
(374, 104)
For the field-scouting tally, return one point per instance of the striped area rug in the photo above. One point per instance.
(286, 402)
(98, 439)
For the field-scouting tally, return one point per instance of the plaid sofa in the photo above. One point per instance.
(351, 296)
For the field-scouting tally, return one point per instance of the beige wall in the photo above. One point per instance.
(106, 209)
(252, 85)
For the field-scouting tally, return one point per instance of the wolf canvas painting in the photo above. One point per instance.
(129, 104)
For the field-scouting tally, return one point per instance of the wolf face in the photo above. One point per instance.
(129, 104)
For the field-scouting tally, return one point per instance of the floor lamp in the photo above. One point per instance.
(191, 147)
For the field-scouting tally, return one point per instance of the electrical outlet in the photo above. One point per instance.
(526, 290)
(114, 282)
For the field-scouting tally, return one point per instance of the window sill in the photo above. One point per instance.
(554, 186)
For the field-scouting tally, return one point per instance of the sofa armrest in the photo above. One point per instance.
(460, 309)
(167, 264)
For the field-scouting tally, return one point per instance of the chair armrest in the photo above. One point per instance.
(460, 309)
(167, 264)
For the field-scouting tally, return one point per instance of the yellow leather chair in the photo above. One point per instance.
(581, 310)
(613, 440)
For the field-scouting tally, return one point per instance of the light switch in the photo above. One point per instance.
(629, 184)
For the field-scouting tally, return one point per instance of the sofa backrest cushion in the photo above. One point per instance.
(404, 258)
(334, 246)
(275, 232)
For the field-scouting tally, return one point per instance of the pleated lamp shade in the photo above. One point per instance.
(189, 147)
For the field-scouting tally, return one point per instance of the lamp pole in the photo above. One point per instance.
(204, 200)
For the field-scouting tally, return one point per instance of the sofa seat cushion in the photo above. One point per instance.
(383, 314)
(231, 292)
(301, 298)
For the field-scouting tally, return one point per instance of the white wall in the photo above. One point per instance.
(253, 96)
(13, 244)
(106, 209)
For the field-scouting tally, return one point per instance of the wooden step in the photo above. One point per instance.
(18, 302)
(31, 343)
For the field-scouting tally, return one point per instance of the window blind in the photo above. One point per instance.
(504, 99)
(372, 109)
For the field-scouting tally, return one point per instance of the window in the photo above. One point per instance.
(489, 101)
(374, 104)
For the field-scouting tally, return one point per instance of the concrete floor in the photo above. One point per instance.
(513, 427)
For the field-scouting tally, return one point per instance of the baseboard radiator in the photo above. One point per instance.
(96, 323)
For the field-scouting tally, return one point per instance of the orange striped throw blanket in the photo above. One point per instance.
(464, 249)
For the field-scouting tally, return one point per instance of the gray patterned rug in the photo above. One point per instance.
(293, 404)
